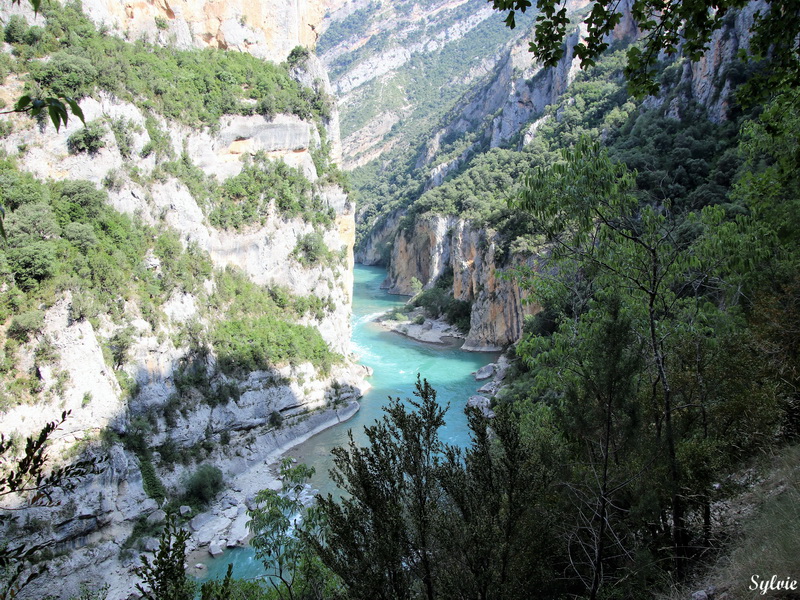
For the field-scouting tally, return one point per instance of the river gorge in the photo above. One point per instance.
(395, 360)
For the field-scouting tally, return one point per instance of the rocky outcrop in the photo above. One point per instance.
(265, 29)
(376, 248)
(517, 92)
(99, 516)
(437, 244)
(379, 64)
(263, 252)
(710, 79)
(422, 253)
(371, 83)
(509, 103)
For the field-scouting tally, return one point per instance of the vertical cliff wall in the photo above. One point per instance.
(267, 29)
(438, 244)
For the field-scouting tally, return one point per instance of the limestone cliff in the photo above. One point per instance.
(386, 58)
(376, 248)
(268, 409)
(265, 29)
(518, 91)
(439, 244)
(710, 81)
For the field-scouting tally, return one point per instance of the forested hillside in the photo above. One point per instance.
(399, 67)
(644, 247)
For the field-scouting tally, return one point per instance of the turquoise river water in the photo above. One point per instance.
(395, 360)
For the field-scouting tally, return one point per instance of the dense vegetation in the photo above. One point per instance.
(254, 334)
(438, 302)
(190, 86)
(64, 238)
(70, 57)
(691, 160)
(652, 373)
(662, 362)
(246, 198)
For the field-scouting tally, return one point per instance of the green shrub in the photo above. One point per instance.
(169, 452)
(120, 344)
(193, 86)
(16, 29)
(150, 480)
(113, 180)
(66, 74)
(25, 324)
(141, 529)
(311, 250)
(159, 143)
(259, 343)
(297, 57)
(135, 438)
(245, 198)
(203, 485)
(276, 419)
(46, 352)
(433, 300)
(34, 35)
(33, 264)
(89, 139)
(123, 136)
(17, 188)
(82, 235)
(458, 312)
(438, 302)
(83, 306)
(78, 200)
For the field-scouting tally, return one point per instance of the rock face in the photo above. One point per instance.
(377, 246)
(424, 253)
(262, 252)
(509, 102)
(268, 29)
(98, 518)
(399, 35)
(437, 244)
(710, 82)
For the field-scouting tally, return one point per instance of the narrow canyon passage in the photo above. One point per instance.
(395, 360)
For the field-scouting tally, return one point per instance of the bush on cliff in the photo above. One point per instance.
(201, 487)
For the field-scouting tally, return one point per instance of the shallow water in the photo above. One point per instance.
(396, 361)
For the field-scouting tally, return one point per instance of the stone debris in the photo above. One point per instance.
(149, 544)
(490, 388)
(210, 530)
(485, 372)
(483, 404)
(155, 517)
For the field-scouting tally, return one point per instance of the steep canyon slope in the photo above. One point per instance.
(423, 200)
(229, 338)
